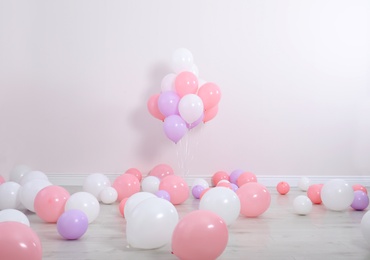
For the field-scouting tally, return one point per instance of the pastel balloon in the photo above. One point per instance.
(254, 198)
(246, 177)
(150, 184)
(72, 224)
(283, 187)
(210, 94)
(108, 195)
(177, 187)
(33, 175)
(191, 108)
(152, 224)
(161, 170)
(174, 128)
(201, 234)
(121, 207)
(2, 180)
(135, 200)
(360, 200)
(314, 193)
(234, 175)
(186, 83)
(200, 181)
(153, 109)
(168, 82)
(337, 195)
(302, 205)
(126, 185)
(222, 201)
(95, 183)
(359, 187)
(182, 60)
(209, 114)
(218, 176)
(163, 195)
(19, 241)
(50, 202)
(85, 202)
(135, 172)
(168, 102)
(14, 215)
(196, 191)
(9, 195)
(28, 192)
(17, 173)
(196, 122)
(304, 183)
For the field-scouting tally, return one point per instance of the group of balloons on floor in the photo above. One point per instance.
(148, 205)
(184, 101)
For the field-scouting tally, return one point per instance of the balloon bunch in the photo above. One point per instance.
(184, 102)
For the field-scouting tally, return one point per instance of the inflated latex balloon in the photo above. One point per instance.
(134, 200)
(254, 198)
(28, 192)
(86, 202)
(95, 183)
(72, 224)
(14, 215)
(337, 195)
(302, 205)
(9, 195)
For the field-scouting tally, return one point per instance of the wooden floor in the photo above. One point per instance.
(277, 234)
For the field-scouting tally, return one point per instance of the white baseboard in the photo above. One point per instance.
(77, 179)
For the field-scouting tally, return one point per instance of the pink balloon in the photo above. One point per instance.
(359, 187)
(210, 114)
(218, 176)
(314, 193)
(161, 170)
(126, 185)
(152, 105)
(254, 198)
(246, 177)
(200, 235)
(50, 202)
(135, 172)
(19, 241)
(210, 94)
(176, 187)
(283, 187)
(121, 206)
(186, 83)
(174, 128)
(2, 180)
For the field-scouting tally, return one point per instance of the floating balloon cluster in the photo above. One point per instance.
(149, 207)
(184, 101)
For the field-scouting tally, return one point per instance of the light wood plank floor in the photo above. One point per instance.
(277, 234)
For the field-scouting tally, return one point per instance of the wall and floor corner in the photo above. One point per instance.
(75, 78)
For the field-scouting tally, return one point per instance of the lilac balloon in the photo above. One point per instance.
(163, 195)
(72, 224)
(360, 201)
(197, 191)
(168, 103)
(194, 124)
(234, 187)
(174, 127)
(234, 175)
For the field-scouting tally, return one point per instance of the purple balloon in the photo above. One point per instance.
(360, 201)
(163, 195)
(234, 175)
(168, 103)
(197, 191)
(174, 127)
(234, 187)
(72, 224)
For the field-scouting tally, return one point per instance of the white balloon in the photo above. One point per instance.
(18, 172)
(108, 195)
(134, 200)
(33, 175)
(85, 202)
(191, 108)
(168, 82)
(201, 182)
(95, 183)
(222, 201)
(9, 195)
(150, 184)
(152, 224)
(29, 190)
(194, 69)
(14, 215)
(365, 226)
(304, 183)
(182, 60)
(302, 205)
(337, 195)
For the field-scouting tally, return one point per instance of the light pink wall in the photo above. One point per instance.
(75, 77)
